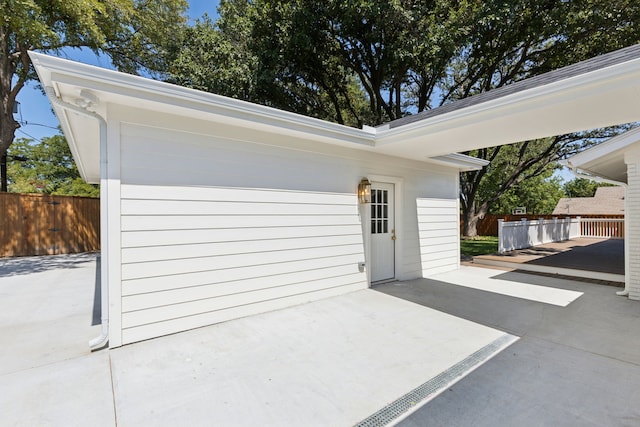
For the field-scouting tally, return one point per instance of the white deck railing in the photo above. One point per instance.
(524, 234)
(611, 228)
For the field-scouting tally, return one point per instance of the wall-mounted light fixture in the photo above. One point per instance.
(364, 191)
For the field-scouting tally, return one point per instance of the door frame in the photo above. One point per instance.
(398, 216)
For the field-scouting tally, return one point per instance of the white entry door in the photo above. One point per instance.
(383, 234)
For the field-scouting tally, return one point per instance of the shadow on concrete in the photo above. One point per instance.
(606, 256)
(29, 265)
(96, 318)
(573, 365)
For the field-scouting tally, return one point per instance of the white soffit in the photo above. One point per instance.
(606, 160)
(604, 97)
(462, 162)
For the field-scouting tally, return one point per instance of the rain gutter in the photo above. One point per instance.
(85, 101)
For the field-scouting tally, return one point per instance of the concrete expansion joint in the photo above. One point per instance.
(57, 362)
(594, 353)
(113, 390)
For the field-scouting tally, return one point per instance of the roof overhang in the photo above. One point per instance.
(606, 160)
(584, 100)
(604, 97)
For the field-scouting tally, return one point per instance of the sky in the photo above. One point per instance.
(35, 113)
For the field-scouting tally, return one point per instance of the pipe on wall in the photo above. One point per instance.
(85, 101)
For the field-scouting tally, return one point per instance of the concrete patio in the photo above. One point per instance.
(340, 361)
(337, 361)
(577, 365)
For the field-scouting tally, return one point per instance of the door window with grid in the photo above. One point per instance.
(379, 211)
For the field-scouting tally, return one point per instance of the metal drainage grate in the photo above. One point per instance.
(407, 402)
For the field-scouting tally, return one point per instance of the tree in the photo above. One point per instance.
(396, 52)
(523, 39)
(214, 56)
(539, 195)
(136, 34)
(581, 187)
(354, 63)
(514, 165)
(46, 167)
(371, 61)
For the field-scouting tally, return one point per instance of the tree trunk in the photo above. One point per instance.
(470, 224)
(8, 128)
(470, 219)
(3, 173)
(8, 125)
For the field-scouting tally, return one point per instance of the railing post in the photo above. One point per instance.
(500, 236)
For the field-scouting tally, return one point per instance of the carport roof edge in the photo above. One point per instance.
(573, 70)
(606, 160)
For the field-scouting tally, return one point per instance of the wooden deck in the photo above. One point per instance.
(601, 259)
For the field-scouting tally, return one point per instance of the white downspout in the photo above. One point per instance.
(625, 291)
(101, 340)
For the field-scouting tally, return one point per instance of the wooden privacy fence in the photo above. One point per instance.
(38, 224)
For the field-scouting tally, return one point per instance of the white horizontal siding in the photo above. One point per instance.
(174, 304)
(222, 194)
(439, 235)
(188, 240)
(281, 273)
(132, 239)
(136, 270)
(175, 294)
(191, 252)
(215, 207)
(157, 253)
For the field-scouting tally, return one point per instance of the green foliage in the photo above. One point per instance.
(138, 35)
(358, 62)
(539, 195)
(371, 61)
(46, 167)
(215, 60)
(580, 187)
(479, 245)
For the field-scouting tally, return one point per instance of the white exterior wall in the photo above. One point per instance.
(632, 219)
(438, 230)
(218, 227)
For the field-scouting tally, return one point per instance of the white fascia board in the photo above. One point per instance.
(605, 149)
(119, 84)
(462, 162)
(551, 92)
(68, 130)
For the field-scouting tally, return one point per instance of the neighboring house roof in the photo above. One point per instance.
(606, 201)
(595, 93)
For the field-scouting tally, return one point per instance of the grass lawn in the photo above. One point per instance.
(481, 245)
